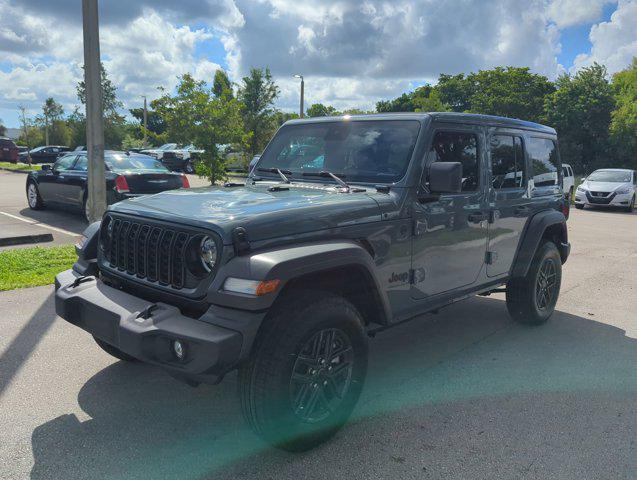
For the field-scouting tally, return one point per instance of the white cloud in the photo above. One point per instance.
(614, 43)
(566, 13)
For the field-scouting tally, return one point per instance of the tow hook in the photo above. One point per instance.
(148, 311)
(80, 280)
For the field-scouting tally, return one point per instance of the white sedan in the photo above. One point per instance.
(609, 187)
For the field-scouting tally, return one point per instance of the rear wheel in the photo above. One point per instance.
(113, 351)
(306, 372)
(33, 197)
(531, 299)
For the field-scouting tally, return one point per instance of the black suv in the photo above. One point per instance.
(345, 227)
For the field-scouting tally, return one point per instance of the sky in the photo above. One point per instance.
(352, 53)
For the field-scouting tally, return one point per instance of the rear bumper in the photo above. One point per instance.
(114, 317)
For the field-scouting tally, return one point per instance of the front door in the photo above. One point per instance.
(52, 185)
(509, 197)
(450, 234)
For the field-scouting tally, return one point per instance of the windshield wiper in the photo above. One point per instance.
(282, 173)
(336, 178)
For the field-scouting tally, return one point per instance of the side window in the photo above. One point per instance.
(82, 164)
(507, 162)
(64, 163)
(458, 147)
(544, 162)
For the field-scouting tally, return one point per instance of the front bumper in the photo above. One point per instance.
(116, 317)
(612, 200)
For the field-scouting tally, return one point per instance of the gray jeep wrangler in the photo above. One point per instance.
(345, 227)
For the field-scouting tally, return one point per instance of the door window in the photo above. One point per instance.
(82, 164)
(507, 162)
(64, 163)
(458, 147)
(544, 162)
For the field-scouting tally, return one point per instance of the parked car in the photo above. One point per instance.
(568, 183)
(181, 159)
(127, 176)
(46, 154)
(158, 153)
(8, 151)
(286, 277)
(609, 187)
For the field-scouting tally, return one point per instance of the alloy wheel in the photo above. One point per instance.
(32, 195)
(322, 375)
(546, 285)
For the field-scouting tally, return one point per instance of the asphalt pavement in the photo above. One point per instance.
(17, 219)
(464, 394)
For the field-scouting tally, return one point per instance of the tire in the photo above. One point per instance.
(630, 208)
(85, 212)
(113, 351)
(579, 206)
(531, 300)
(33, 197)
(298, 412)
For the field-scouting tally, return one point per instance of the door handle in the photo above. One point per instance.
(521, 210)
(477, 217)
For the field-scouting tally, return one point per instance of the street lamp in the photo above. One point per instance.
(302, 92)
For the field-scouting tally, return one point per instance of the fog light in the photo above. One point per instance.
(179, 349)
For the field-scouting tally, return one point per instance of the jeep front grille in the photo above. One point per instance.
(149, 252)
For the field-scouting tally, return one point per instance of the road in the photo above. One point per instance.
(16, 218)
(458, 395)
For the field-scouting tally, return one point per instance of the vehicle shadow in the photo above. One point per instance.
(461, 394)
(70, 220)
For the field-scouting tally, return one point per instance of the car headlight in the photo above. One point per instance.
(622, 191)
(581, 189)
(208, 253)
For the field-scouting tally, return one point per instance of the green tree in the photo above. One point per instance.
(320, 110)
(422, 99)
(221, 84)
(580, 109)
(455, 92)
(195, 115)
(156, 123)
(281, 117)
(52, 112)
(3, 129)
(623, 127)
(257, 94)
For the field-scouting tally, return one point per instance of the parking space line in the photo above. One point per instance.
(43, 225)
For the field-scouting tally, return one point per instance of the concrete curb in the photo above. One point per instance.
(24, 239)
(14, 171)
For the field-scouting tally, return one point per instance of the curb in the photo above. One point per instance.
(24, 239)
(15, 171)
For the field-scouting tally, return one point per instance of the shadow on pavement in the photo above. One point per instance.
(27, 340)
(462, 394)
(66, 219)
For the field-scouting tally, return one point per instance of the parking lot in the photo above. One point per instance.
(17, 219)
(462, 394)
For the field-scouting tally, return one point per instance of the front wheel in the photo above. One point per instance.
(631, 207)
(306, 372)
(531, 299)
(33, 197)
(579, 206)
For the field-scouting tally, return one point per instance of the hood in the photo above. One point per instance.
(604, 186)
(263, 213)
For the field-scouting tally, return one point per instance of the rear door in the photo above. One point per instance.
(510, 203)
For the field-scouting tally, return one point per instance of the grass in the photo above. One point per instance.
(33, 267)
(19, 167)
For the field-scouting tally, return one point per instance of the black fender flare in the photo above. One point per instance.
(288, 263)
(532, 236)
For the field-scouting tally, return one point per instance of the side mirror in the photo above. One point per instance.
(46, 168)
(445, 177)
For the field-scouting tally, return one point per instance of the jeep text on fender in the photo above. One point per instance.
(345, 227)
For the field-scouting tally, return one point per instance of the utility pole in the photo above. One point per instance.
(25, 126)
(145, 118)
(301, 112)
(94, 112)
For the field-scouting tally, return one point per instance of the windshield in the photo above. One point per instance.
(168, 146)
(609, 176)
(122, 163)
(37, 149)
(359, 151)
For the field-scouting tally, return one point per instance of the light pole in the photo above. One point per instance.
(145, 119)
(94, 112)
(302, 93)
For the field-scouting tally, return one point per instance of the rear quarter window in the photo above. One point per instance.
(545, 162)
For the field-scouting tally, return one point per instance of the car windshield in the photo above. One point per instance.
(359, 151)
(168, 146)
(122, 163)
(37, 149)
(612, 176)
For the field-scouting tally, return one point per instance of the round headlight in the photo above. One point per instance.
(208, 253)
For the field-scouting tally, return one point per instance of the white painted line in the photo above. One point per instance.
(43, 225)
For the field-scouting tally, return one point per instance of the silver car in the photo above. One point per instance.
(609, 187)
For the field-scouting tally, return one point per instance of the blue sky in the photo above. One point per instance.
(351, 52)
